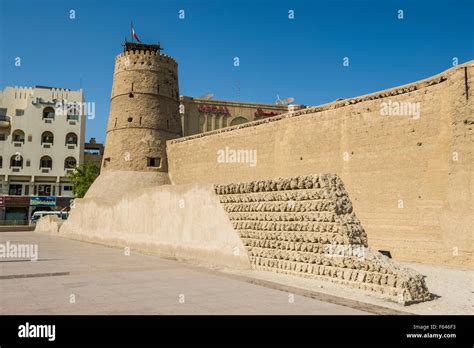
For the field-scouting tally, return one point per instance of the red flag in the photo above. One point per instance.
(134, 34)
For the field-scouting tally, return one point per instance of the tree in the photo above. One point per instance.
(82, 177)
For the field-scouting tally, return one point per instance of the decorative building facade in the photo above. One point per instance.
(203, 115)
(41, 140)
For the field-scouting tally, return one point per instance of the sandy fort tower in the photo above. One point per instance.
(144, 110)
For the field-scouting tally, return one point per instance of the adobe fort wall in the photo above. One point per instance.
(306, 226)
(185, 222)
(409, 176)
(303, 226)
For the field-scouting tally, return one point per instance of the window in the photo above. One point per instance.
(238, 120)
(71, 139)
(154, 162)
(48, 113)
(47, 138)
(16, 161)
(46, 162)
(69, 162)
(3, 112)
(72, 113)
(1, 161)
(67, 188)
(3, 136)
(44, 190)
(19, 112)
(130, 119)
(15, 189)
(18, 136)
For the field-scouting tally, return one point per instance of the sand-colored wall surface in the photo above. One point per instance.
(49, 224)
(185, 222)
(306, 226)
(410, 178)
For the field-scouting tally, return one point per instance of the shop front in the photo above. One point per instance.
(16, 208)
(2, 208)
(64, 203)
(46, 203)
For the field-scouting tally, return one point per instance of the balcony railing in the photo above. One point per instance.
(5, 121)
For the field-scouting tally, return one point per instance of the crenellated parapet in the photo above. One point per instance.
(146, 60)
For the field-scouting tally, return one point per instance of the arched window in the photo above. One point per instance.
(46, 162)
(71, 139)
(18, 136)
(16, 161)
(1, 161)
(238, 120)
(47, 138)
(73, 113)
(48, 113)
(69, 162)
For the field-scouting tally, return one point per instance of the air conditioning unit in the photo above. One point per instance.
(16, 169)
(48, 121)
(44, 170)
(69, 170)
(71, 147)
(72, 123)
(17, 143)
(47, 145)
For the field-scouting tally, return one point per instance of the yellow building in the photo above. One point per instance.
(202, 115)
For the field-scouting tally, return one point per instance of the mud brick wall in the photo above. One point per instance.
(409, 179)
(306, 226)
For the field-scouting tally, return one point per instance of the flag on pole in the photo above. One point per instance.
(134, 34)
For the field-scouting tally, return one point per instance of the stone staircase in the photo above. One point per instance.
(306, 226)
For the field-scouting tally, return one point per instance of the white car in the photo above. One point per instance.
(37, 215)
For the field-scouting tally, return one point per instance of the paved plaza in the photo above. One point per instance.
(72, 277)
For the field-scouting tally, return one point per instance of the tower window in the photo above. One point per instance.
(158, 89)
(130, 95)
(154, 162)
(168, 124)
(115, 124)
(130, 119)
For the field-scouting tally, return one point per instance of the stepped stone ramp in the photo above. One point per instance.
(306, 226)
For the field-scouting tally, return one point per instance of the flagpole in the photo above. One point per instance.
(131, 30)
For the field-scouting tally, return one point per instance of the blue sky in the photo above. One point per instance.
(301, 58)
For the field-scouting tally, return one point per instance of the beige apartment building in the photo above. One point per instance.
(41, 140)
